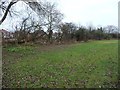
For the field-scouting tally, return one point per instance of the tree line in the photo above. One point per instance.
(63, 33)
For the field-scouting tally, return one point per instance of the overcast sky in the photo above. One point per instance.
(97, 12)
(85, 12)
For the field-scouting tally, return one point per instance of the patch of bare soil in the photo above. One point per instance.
(52, 47)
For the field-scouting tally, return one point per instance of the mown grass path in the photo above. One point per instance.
(92, 65)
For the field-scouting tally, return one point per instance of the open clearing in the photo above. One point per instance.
(92, 65)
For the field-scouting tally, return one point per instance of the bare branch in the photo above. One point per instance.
(6, 12)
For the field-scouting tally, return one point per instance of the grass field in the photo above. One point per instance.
(92, 65)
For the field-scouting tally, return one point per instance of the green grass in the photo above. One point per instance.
(92, 65)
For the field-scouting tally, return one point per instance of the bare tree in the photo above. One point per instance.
(110, 29)
(22, 30)
(52, 17)
(35, 6)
